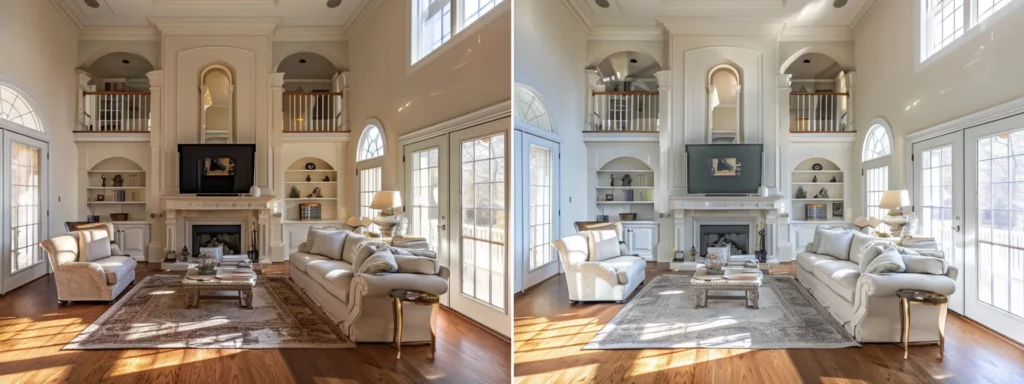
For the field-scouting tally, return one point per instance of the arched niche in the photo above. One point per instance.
(637, 198)
(116, 185)
(629, 71)
(120, 67)
(217, 101)
(314, 181)
(725, 106)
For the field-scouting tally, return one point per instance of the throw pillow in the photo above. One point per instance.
(352, 243)
(812, 247)
(380, 262)
(417, 264)
(890, 261)
(859, 244)
(412, 252)
(604, 244)
(328, 243)
(869, 255)
(309, 237)
(93, 244)
(925, 264)
(115, 250)
(835, 243)
(364, 250)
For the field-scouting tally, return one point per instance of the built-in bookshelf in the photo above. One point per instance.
(322, 176)
(116, 185)
(613, 197)
(829, 178)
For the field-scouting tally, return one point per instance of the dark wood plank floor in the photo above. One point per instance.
(549, 335)
(33, 329)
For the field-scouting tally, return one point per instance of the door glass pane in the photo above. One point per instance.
(424, 191)
(876, 181)
(541, 218)
(937, 197)
(26, 208)
(369, 183)
(483, 219)
(1000, 231)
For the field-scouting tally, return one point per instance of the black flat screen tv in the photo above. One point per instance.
(723, 168)
(215, 169)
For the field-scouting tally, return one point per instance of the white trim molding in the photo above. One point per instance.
(816, 33)
(720, 27)
(731, 203)
(245, 26)
(987, 115)
(318, 137)
(619, 137)
(485, 115)
(121, 137)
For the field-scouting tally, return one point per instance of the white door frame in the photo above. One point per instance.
(524, 138)
(956, 141)
(441, 143)
(9, 281)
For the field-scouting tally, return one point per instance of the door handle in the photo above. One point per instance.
(442, 226)
(957, 228)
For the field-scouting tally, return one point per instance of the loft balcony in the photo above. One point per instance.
(819, 112)
(624, 112)
(314, 112)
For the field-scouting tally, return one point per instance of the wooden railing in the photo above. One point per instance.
(624, 112)
(818, 112)
(115, 111)
(313, 112)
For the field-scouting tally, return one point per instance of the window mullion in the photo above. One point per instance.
(456, 7)
(970, 14)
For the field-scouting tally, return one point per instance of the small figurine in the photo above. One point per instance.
(293, 193)
(316, 193)
(814, 179)
(118, 181)
(822, 194)
(800, 193)
(103, 177)
(627, 181)
(833, 179)
(693, 253)
(327, 178)
(612, 177)
(309, 178)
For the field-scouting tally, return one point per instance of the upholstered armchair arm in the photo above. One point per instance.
(594, 269)
(444, 272)
(871, 284)
(382, 284)
(83, 272)
(952, 272)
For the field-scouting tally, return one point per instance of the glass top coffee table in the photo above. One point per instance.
(744, 280)
(228, 279)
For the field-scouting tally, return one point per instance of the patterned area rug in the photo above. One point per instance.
(662, 316)
(153, 315)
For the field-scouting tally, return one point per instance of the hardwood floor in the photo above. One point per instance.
(33, 329)
(549, 335)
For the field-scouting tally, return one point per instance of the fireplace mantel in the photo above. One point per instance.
(192, 202)
(701, 202)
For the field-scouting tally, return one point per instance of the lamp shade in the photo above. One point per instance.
(894, 199)
(386, 200)
(354, 222)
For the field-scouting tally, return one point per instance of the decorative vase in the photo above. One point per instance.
(713, 264)
(206, 263)
(762, 191)
(693, 253)
(254, 191)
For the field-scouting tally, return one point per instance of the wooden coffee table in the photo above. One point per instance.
(702, 283)
(194, 284)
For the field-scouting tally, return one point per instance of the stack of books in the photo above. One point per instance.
(741, 273)
(234, 274)
(920, 242)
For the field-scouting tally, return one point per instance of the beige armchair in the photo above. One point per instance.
(84, 268)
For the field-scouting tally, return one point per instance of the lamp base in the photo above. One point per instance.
(387, 224)
(896, 224)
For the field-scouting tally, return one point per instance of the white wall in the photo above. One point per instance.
(840, 51)
(551, 53)
(39, 56)
(977, 71)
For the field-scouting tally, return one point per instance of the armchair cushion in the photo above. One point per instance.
(597, 270)
(116, 268)
(301, 260)
(86, 273)
(604, 245)
(627, 268)
(94, 244)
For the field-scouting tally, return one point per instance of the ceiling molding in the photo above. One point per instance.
(627, 33)
(68, 14)
(147, 33)
(261, 26)
(215, 3)
(703, 5)
(577, 14)
(310, 34)
(816, 33)
(720, 27)
(863, 15)
(362, 13)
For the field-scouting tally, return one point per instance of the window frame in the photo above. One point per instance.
(927, 53)
(459, 30)
(369, 163)
(876, 162)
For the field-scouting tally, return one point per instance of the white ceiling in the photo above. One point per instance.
(647, 13)
(136, 13)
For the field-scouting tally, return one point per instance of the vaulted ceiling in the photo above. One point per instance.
(608, 16)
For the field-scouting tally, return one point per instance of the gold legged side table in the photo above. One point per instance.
(399, 296)
(908, 296)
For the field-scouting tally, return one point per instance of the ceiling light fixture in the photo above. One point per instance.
(333, 3)
(839, 3)
(92, 3)
(633, 61)
(602, 3)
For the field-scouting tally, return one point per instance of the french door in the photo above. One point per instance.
(468, 216)
(25, 223)
(994, 270)
(537, 206)
(939, 200)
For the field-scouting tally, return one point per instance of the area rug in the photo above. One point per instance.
(662, 316)
(153, 315)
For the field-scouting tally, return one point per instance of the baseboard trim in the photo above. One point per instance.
(485, 328)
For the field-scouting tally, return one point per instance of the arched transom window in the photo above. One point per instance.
(531, 110)
(371, 143)
(876, 144)
(14, 107)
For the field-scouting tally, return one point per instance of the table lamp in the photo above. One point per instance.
(894, 201)
(386, 202)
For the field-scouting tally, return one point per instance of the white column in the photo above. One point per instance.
(851, 88)
(739, 116)
(593, 85)
(663, 175)
(784, 249)
(231, 113)
(154, 174)
(276, 182)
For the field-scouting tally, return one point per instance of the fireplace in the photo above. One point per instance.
(735, 236)
(228, 236)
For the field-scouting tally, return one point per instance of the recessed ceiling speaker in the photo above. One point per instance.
(839, 3)
(602, 3)
(333, 3)
(302, 61)
(125, 61)
(93, 3)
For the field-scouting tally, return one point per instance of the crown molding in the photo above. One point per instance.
(362, 13)
(862, 16)
(720, 26)
(65, 12)
(577, 14)
(147, 33)
(216, 3)
(816, 33)
(487, 114)
(310, 34)
(261, 26)
(627, 33)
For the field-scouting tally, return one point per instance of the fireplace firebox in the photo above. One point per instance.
(737, 237)
(227, 236)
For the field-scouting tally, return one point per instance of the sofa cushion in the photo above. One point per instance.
(835, 243)
(806, 260)
(860, 243)
(870, 254)
(890, 261)
(812, 247)
(302, 260)
(352, 243)
(309, 236)
(839, 275)
(335, 276)
(94, 244)
(116, 268)
(417, 264)
(328, 242)
(382, 261)
(604, 244)
(627, 268)
(925, 264)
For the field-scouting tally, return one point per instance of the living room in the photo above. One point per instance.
(174, 161)
(713, 151)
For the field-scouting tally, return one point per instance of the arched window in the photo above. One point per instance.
(876, 156)
(876, 143)
(371, 144)
(14, 107)
(531, 110)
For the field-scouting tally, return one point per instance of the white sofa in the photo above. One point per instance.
(865, 303)
(596, 269)
(360, 303)
(85, 269)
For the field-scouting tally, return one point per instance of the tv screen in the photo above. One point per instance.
(215, 168)
(723, 168)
